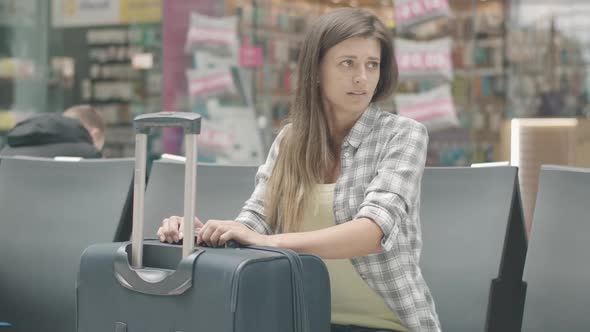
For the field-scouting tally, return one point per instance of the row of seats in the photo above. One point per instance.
(474, 254)
(50, 211)
(474, 246)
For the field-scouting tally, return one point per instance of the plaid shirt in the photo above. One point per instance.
(382, 162)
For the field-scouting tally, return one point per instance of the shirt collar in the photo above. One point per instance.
(363, 126)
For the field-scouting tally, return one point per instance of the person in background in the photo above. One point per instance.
(342, 181)
(78, 132)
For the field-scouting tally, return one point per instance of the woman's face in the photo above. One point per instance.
(349, 73)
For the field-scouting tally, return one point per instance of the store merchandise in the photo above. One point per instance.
(451, 46)
(18, 12)
(121, 71)
(16, 68)
(277, 28)
(218, 89)
(548, 71)
(478, 84)
(213, 41)
(23, 63)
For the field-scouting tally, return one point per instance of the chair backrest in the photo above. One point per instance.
(473, 234)
(50, 211)
(557, 268)
(221, 192)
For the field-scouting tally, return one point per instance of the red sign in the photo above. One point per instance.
(211, 140)
(251, 56)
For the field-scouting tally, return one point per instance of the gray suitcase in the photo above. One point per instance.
(158, 287)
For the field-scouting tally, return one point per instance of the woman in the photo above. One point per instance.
(342, 181)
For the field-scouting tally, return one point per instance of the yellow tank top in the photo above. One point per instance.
(353, 301)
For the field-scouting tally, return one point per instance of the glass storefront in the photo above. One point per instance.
(467, 68)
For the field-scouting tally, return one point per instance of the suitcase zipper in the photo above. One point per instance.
(236, 279)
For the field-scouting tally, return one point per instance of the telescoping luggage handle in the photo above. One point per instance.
(191, 123)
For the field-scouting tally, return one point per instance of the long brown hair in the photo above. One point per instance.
(305, 156)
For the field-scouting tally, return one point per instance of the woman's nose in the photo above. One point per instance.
(360, 76)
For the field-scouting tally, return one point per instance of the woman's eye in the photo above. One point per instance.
(373, 65)
(347, 63)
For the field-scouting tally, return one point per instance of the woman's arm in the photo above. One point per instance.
(359, 237)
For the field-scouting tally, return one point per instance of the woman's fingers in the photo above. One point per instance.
(229, 235)
(205, 233)
(169, 230)
(160, 234)
(213, 233)
(213, 230)
(175, 227)
(219, 231)
(198, 223)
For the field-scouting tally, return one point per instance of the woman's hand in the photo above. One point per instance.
(216, 233)
(171, 230)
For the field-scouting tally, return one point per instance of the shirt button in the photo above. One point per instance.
(347, 154)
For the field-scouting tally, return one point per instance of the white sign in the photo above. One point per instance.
(424, 59)
(231, 135)
(411, 12)
(435, 108)
(210, 82)
(78, 13)
(217, 35)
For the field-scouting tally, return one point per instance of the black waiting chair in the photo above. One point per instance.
(50, 211)
(557, 268)
(474, 245)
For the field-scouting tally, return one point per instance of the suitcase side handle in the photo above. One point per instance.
(152, 281)
(191, 123)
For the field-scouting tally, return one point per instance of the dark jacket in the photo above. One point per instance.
(50, 135)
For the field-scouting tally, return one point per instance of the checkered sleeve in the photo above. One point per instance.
(392, 193)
